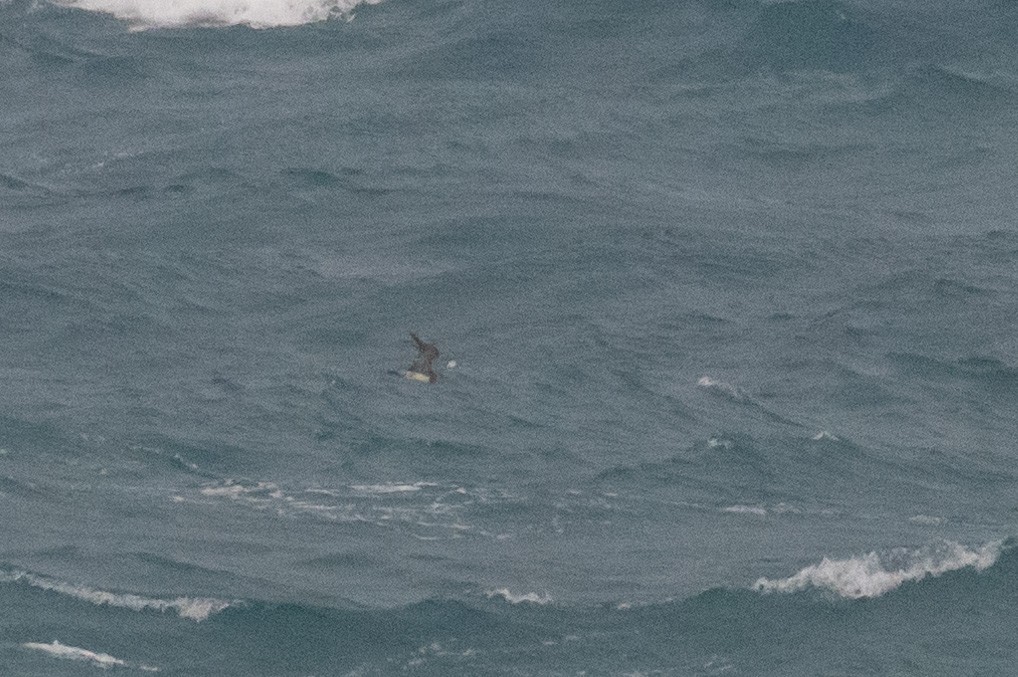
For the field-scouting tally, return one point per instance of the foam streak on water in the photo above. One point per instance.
(99, 660)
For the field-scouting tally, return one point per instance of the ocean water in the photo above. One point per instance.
(731, 289)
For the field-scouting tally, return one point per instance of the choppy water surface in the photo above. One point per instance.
(731, 290)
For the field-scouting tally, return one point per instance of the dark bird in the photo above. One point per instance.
(426, 354)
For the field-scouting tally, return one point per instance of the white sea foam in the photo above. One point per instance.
(776, 509)
(142, 14)
(875, 574)
(99, 660)
(191, 608)
(528, 598)
(824, 435)
(722, 388)
(392, 488)
(745, 510)
(255, 491)
(184, 462)
(231, 489)
(404, 504)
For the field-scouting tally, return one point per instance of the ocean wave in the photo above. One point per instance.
(983, 371)
(390, 488)
(736, 394)
(438, 510)
(763, 510)
(745, 510)
(99, 660)
(10, 486)
(11, 183)
(816, 35)
(724, 389)
(528, 597)
(824, 435)
(926, 520)
(473, 636)
(270, 496)
(192, 608)
(193, 467)
(937, 84)
(875, 574)
(720, 443)
(144, 14)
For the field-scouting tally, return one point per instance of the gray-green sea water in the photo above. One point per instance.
(731, 290)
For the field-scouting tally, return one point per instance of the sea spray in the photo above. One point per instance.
(874, 574)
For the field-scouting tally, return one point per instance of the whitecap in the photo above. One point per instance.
(528, 598)
(184, 462)
(745, 510)
(229, 490)
(324, 492)
(243, 489)
(722, 388)
(926, 520)
(391, 488)
(383, 504)
(100, 660)
(143, 14)
(192, 608)
(875, 574)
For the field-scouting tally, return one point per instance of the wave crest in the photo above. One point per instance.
(144, 14)
(100, 660)
(875, 574)
(723, 389)
(192, 608)
(529, 597)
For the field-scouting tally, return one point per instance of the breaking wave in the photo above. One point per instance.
(99, 660)
(192, 608)
(145, 14)
(875, 574)
(723, 389)
(529, 597)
